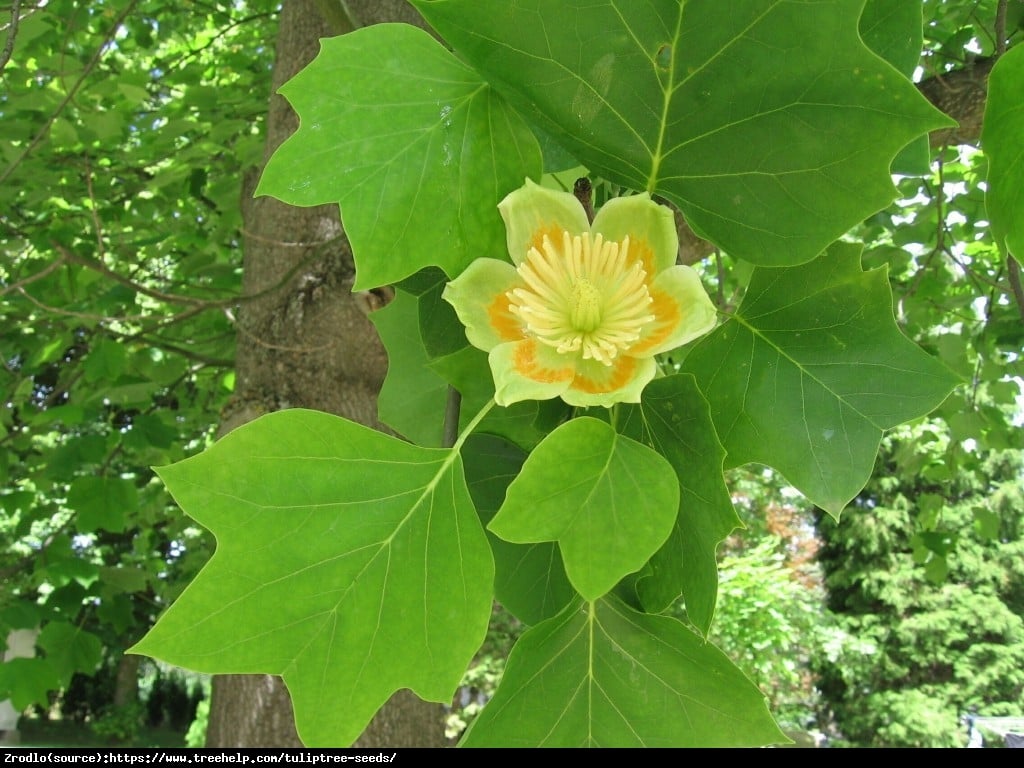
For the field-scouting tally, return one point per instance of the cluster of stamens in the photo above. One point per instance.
(587, 295)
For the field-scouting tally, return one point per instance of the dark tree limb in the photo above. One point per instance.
(961, 94)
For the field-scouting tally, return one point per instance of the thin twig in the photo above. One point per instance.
(37, 140)
(12, 32)
(20, 284)
(175, 298)
(101, 248)
(1001, 28)
(1013, 273)
(452, 409)
(268, 345)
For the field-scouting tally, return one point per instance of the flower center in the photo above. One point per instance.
(584, 296)
(586, 306)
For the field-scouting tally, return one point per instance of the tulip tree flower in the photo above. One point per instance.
(583, 308)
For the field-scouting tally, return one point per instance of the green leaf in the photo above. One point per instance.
(1002, 138)
(123, 578)
(440, 328)
(150, 430)
(118, 611)
(102, 502)
(416, 148)
(772, 126)
(600, 495)
(349, 562)
(27, 681)
(603, 675)
(70, 649)
(986, 524)
(893, 30)
(18, 615)
(106, 361)
(467, 370)
(412, 398)
(66, 570)
(811, 370)
(529, 579)
(675, 419)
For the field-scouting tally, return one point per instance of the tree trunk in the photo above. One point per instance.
(126, 682)
(306, 343)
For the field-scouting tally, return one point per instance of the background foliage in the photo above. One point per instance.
(127, 129)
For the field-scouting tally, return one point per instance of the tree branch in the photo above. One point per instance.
(89, 67)
(961, 94)
(1013, 273)
(12, 32)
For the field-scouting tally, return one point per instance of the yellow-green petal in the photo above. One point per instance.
(529, 370)
(533, 211)
(651, 229)
(682, 311)
(478, 296)
(599, 384)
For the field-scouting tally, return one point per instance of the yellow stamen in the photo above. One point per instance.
(583, 297)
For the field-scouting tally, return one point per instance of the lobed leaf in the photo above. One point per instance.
(1002, 138)
(600, 495)
(529, 579)
(811, 370)
(604, 675)
(675, 419)
(415, 147)
(348, 562)
(772, 125)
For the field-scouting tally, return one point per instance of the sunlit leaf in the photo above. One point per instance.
(348, 562)
(771, 125)
(604, 675)
(416, 148)
(600, 495)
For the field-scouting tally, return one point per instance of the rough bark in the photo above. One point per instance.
(126, 682)
(961, 94)
(308, 343)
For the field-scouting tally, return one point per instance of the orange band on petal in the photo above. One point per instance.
(506, 325)
(641, 250)
(525, 363)
(666, 320)
(618, 375)
(551, 231)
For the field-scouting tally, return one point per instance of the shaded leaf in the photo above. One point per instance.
(1002, 138)
(771, 148)
(349, 562)
(675, 419)
(529, 579)
(28, 681)
(412, 398)
(811, 370)
(467, 370)
(70, 649)
(102, 502)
